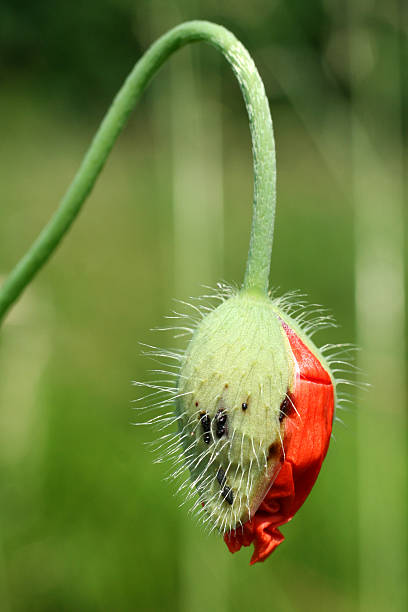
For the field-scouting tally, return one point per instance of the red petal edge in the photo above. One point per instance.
(306, 440)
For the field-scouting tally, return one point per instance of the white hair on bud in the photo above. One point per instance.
(192, 463)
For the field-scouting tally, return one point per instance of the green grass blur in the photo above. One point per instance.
(87, 521)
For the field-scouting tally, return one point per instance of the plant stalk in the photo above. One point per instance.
(258, 262)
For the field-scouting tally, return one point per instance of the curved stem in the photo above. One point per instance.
(258, 263)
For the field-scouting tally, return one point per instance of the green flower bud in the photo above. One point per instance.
(234, 378)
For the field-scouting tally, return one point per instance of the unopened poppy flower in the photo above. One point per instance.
(254, 406)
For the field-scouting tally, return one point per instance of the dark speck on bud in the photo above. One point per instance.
(284, 409)
(228, 495)
(221, 476)
(221, 420)
(205, 421)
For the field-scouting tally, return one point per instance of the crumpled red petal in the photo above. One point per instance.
(306, 440)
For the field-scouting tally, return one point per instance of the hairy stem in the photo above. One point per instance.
(258, 263)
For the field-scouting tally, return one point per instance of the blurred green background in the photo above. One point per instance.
(87, 521)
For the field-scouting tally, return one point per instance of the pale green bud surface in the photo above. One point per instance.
(235, 374)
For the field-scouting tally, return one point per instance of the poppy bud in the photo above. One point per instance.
(255, 409)
(254, 404)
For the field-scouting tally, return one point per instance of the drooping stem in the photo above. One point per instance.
(258, 263)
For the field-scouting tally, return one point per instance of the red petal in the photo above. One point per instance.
(306, 440)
